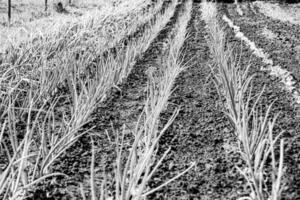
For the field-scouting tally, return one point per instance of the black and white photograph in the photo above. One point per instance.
(149, 99)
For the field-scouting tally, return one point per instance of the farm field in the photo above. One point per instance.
(150, 99)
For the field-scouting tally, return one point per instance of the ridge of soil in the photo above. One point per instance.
(288, 119)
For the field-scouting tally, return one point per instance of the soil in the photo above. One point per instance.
(201, 132)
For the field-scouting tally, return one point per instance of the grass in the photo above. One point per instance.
(25, 11)
(23, 155)
(285, 13)
(114, 22)
(52, 87)
(253, 125)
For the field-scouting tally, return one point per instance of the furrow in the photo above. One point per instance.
(199, 133)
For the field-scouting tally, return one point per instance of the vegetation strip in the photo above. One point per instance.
(253, 126)
(137, 29)
(122, 18)
(170, 71)
(142, 152)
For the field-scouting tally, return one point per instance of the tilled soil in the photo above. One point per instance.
(280, 52)
(201, 133)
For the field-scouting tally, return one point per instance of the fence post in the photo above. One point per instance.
(9, 12)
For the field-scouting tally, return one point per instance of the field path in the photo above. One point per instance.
(199, 133)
